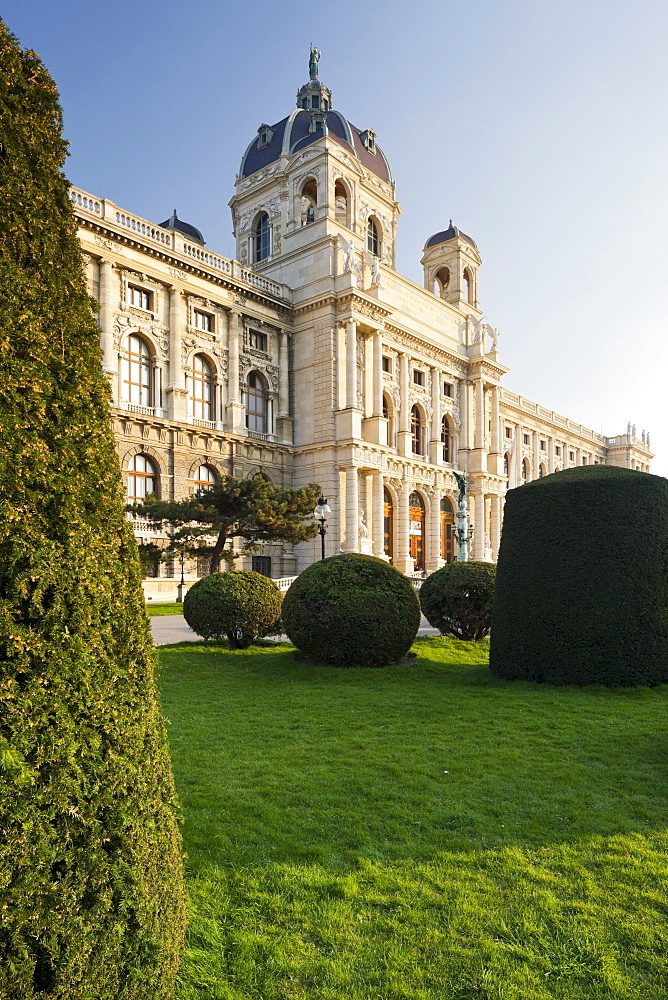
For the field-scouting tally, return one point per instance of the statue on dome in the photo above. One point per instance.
(313, 61)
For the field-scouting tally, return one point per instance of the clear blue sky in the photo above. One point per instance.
(540, 127)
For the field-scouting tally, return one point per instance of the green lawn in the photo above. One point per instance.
(424, 831)
(156, 610)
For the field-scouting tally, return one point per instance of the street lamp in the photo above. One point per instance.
(320, 514)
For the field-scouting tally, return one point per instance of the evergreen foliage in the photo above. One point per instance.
(238, 606)
(352, 610)
(90, 861)
(457, 599)
(582, 580)
(253, 509)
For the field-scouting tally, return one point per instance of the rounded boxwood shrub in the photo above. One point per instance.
(582, 580)
(352, 610)
(237, 605)
(91, 881)
(457, 599)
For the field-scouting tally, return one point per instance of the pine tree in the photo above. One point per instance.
(91, 892)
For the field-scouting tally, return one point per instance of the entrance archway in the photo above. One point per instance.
(447, 528)
(416, 530)
(388, 523)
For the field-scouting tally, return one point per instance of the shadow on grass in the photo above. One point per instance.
(277, 761)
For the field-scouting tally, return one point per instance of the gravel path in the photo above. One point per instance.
(172, 628)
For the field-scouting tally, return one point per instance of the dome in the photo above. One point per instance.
(451, 233)
(182, 227)
(294, 133)
(313, 118)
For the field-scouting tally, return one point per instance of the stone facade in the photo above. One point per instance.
(311, 359)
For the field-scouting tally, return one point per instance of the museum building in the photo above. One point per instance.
(309, 358)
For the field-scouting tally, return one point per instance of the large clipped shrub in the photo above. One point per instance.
(238, 606)
(457, 599)
(352, 610)
(582, 580)
(90, 861)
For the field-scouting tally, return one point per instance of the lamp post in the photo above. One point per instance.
(320, 514)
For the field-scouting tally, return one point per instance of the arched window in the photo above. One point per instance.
(441, 282)
(372, 238)
(446, 440)
(447, 527)
(204, 478)
(341, 202)
(138, 372)
(417, 431)
(262, 238)
(468, 281)
(541, 470)
(525, 470)
(416, 529)
(142, 478)
(388, 523)
(309, 201)
(256, 404)
(202, 394)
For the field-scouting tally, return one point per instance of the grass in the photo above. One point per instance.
(157, 610)
(424, 832)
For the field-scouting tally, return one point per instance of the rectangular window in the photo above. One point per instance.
(387, 364)
(525, 438)
(557, 451)
(203, 321)
(571, 456)
(418, 376)
(584, 459)
(261, 564)
(509, 432)
(543, 446)
(139, 298)
(258, 341)
(447, 389)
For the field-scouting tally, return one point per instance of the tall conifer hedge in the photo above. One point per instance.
(582, 580)
(91, 894)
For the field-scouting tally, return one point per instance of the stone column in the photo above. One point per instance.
(536, 454)
(433, 560)
(283, 377)
(235, 410)
(435, 447)
(176, 392)
(495, 421)
(465, 413)
(495, 526)
(404, 436)
(550, 454)
(519, 445)
(479, 527)
(402, 559)
(109, 355)
(283, 419)
(377, 516)
(351, 543)
(351, 365)
(479, 414)
(378, 373)
(340, 342)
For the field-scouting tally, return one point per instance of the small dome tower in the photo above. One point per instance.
(451, 261)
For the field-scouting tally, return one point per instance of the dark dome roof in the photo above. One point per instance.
(182, 227)
(292, 134)
(448, 234)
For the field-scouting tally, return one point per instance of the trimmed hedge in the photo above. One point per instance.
(457, 599)
(239, 606)
(352, 610)
(582, 580)
(91, 882)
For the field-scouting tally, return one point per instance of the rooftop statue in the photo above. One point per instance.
(313, 61)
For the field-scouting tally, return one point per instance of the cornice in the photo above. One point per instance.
(115, 239)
